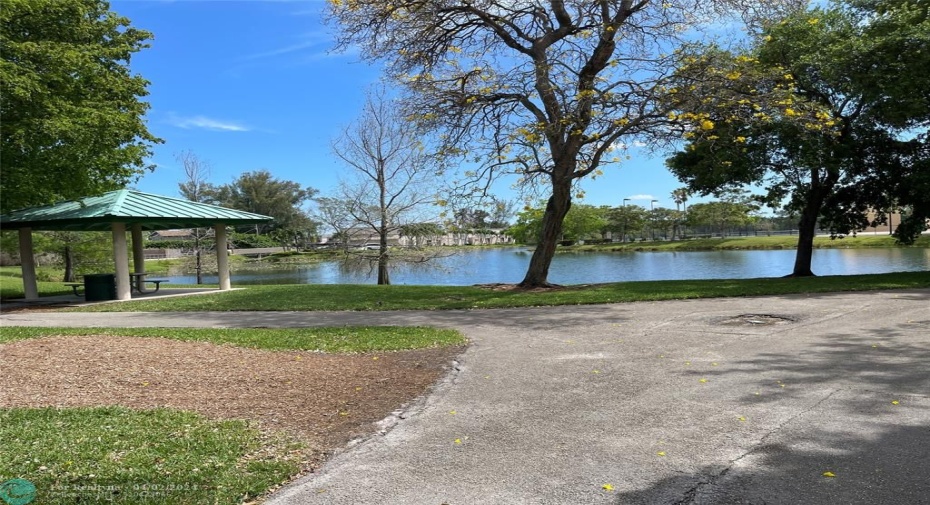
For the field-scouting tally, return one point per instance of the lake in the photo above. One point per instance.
(508, 265)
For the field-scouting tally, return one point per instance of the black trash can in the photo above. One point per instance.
(99, 287)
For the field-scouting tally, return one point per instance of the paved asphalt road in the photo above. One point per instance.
(642, 403)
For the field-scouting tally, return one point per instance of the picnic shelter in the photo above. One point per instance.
(121, 211)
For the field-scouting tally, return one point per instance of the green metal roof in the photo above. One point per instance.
(153, 212)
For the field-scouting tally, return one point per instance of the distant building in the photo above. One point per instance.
(893, 220)
(185, 234)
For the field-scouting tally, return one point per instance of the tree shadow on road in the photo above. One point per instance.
(862, 413)
(890, 468)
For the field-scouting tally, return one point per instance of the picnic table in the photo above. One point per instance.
(138, 281)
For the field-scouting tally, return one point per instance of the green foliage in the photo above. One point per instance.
(72, 115)
(719, 216)
(749, 242)
(261, 193)
(582, 221)
(372, 297)
(251, 240)
(626, 221)
(148, 457)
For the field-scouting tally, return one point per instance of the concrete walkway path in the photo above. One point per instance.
(819, 399)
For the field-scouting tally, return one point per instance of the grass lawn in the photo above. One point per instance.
(119, 455)
(306, 297)
(343, 339)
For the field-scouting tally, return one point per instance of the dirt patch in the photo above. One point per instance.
(538, 289)
(324, 399)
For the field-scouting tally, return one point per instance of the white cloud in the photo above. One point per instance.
(641, 197)
(207, 124)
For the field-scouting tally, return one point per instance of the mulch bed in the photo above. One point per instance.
(324, 399)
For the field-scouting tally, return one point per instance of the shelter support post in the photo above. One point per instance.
(28, 262)
(138, 254)
(222, 256)
(121, 259)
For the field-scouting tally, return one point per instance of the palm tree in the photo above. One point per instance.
(680, 196)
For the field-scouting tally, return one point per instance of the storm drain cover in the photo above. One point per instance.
(757, 320)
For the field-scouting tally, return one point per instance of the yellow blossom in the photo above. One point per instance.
(707, 124)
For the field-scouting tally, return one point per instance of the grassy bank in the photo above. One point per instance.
(119, 455)
(344, 339)
(371, 297)
(746, 243)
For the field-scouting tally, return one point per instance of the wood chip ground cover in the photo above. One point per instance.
(323, 399)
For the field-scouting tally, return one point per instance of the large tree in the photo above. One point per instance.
(546, 90)
(392, 177)
(262, 193)
(828, 112)
(72, 115)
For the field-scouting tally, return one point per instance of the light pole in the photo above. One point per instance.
(652, 210)
(625, 217)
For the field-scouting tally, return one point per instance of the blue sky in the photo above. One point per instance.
(249, 85)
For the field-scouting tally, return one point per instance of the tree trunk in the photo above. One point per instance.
(69, 264)
(807, 229)
(537, 275)
(384, 277)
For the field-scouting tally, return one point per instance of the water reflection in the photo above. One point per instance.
(508, 265)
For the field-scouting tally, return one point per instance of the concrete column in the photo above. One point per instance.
(222, 256)
(121, 260)
(28, 262)
(138, 254)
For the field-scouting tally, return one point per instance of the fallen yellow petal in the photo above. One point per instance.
(661, 453)
(702, 380)
(741, 418)
(608, 487)
(595, 371)
(452, 412)
(829, 474)
(895, 402)
(458, 441)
